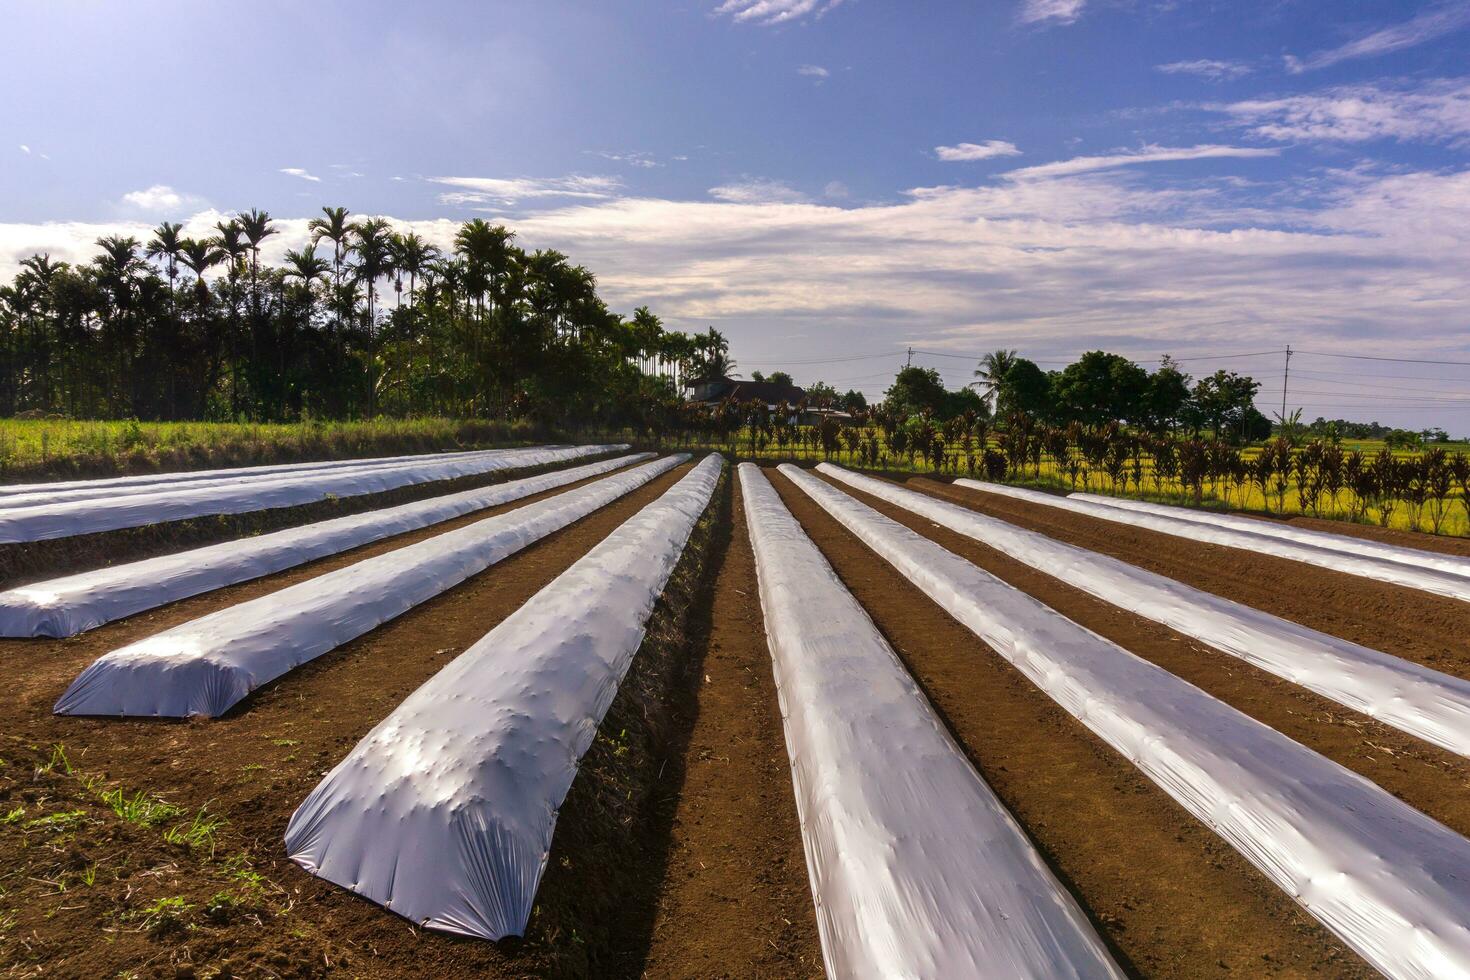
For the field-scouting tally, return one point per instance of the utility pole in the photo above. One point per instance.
(910, 361)
(1285, 377)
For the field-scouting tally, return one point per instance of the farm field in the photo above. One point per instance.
(1433, 501)
(695, 824)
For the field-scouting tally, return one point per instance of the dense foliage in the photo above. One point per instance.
(364, 321)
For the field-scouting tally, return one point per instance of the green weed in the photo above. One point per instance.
(140, 809)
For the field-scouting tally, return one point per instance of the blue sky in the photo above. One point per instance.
(828, 183)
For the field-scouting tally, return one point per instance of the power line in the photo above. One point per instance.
(828, 360)
(1396, 360)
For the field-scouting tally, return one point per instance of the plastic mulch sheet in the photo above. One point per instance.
(1418, 557)
(1388, 880)
(444, 812)
(67, 606)
(205, 666)
(94, 515)
(1425, 703)
(1393, 572)
(918, 870)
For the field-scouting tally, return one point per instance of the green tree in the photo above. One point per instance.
(1101, 387)
(915, 389)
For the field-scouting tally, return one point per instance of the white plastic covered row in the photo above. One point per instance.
(70, 605)
(444, 812)
(205, 666)
(12, 490)
(917, 868)
(1425, 703)
(1418, 557)
(93, 515)
(1391, 882)
(1392, 572)
(20, 495)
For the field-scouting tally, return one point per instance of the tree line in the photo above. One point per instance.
(363, 320)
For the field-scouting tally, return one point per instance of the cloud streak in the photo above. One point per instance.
(301, 174)
(512, 190)
(1433, 23)
(1050, 11)
(757, 190)
(1147, 154)
(1436, 112)
(768, 12)
(966, 152)
(1215, 71)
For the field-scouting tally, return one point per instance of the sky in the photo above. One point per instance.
(828, 182)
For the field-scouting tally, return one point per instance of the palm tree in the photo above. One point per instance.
(200, 257)
(992, 375)
(336, 229)
(306, 265)
(372, 242)
(230, 242)
(256, 227)
(412, 256)
(166, 244)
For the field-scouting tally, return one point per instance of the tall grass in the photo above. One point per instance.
(60, 448)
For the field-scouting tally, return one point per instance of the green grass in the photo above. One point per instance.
(140, 808)
(46, 448)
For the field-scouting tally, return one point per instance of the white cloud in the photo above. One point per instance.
(813, 71)
(1217, 71)
(836, 190)
(964, 152)
(25, 149)
(774, 11)
(159, 198)
(637, 158)
(1050, 11)
(298, 172)
(1432, 23)
(1146, 154)
(1437, 111)
(757, 190)
(509, 191)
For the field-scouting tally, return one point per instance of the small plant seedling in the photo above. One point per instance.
(140, 809)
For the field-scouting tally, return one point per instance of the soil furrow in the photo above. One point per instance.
(736, 901)
(1417, 626)
(1427, 777)
(1170, 897)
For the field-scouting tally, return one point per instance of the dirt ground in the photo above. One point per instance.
(1170, 897)
(736, 900)
(153, 849)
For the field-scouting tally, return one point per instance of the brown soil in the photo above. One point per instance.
(1423, 540)
(36, 560)
(1417, 626)
(736, 901)
(1429, 778)
(1170, 897)
(252, 768)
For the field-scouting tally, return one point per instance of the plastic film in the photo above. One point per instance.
(1388, 880)
(444, 812)
(1425, 703)
(67, 606)
(205, 666)
(918, 870)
